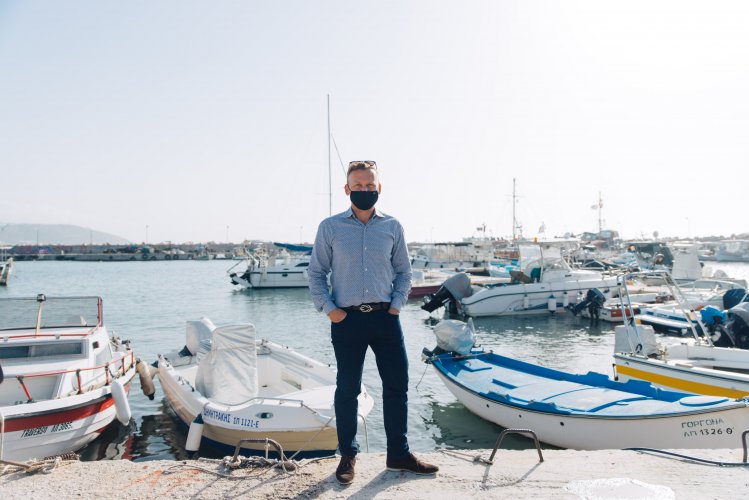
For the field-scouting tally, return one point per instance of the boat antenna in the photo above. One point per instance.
(515, 225)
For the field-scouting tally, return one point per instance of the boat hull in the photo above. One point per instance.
(684, 375)
(301, 420)
(271, 279)
(694, 430)
(532, 298)
(589, 411)
(59, 426)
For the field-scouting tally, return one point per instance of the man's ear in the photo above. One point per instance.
(346, 189)
(379, 188)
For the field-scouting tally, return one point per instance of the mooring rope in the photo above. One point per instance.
(46, 465)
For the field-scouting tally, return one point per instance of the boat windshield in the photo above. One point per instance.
(534, 258)
(22, 313)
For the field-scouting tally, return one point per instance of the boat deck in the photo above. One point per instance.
(535, 388)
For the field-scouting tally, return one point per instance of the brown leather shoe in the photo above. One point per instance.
(410, 463)
(345, 471)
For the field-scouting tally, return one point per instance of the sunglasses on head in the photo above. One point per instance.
(361, 165)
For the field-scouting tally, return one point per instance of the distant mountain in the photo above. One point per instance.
(55, 234)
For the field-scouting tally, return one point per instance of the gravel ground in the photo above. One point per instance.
(515, 474)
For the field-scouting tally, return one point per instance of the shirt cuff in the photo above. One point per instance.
(397, 303)
(329, 306)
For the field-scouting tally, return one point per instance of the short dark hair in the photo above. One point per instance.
(361, 165)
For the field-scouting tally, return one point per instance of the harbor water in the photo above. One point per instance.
(149, 302)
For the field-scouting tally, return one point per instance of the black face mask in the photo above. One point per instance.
(364, 200)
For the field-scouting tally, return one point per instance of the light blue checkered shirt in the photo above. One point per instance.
(366, 262)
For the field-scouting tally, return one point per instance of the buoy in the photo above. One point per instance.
(146, 382)
(195, 434)
(565, 300)
(526, 302)
(552, 304)
(121, 406)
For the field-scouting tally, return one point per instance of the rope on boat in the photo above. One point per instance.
(231, 463)
(313, 438)
(45, 466)
(687, 457)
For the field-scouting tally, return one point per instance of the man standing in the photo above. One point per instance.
(365, 253)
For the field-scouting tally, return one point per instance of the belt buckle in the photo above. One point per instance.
(365, 308)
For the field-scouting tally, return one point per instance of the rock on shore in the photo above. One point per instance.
(515, 474)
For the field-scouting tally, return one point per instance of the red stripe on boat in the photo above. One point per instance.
(57, 417)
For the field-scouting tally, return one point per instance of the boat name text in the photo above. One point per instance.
(706, 422)
(229, 419)
(38, 431)
(217, 415)
(247, 422)
(705, 427)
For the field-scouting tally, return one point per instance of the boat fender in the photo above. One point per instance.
(195, 434)
(121, 406)
(552, 304)
(526, 302)
(565, 300)
(146, 381)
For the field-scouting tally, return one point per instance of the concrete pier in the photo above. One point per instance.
(515, 474)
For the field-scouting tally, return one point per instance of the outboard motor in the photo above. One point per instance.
(713, 318)
(734, 297)
(593, 300)
(454, 288)
(736, 331)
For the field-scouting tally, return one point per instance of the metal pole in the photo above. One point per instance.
(513, 209)
(330, 175)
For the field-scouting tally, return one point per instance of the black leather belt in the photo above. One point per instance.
(366, 308)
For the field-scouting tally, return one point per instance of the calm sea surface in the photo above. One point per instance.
(149, 302)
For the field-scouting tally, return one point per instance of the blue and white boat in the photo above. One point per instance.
(590, 411)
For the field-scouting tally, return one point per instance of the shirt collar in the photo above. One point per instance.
(350, 213)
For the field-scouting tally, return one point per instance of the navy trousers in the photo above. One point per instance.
(351, 337)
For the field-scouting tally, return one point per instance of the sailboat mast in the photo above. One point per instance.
(600, 220)
(330, 175)
(514, 222)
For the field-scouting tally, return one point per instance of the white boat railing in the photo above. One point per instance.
(628, 315)
(107, 374)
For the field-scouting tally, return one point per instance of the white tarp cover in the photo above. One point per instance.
(197, 332)
(228, 375)
(455, 336)
(626, 339)
(686, 265)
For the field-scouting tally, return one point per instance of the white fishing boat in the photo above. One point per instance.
(733, 251)
(6, 266)
(283, 270)
(65, 377)
(590, 411)
(715, 361)
(226, 385)
(545, 284)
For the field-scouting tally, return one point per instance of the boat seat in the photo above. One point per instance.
(318, 398)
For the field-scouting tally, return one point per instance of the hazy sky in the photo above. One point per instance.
(191, 116)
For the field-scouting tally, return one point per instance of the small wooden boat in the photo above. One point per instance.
(65, 378)
(232, 387)
(590, 411)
